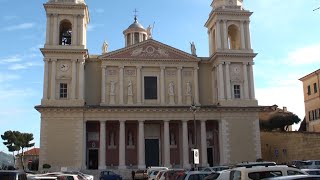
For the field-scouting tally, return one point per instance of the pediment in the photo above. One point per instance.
(149, 50)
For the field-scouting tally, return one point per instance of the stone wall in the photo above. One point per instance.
(284, 147)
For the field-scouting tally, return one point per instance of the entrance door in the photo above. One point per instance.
(93, 158)
(152, 152)
(210, 156)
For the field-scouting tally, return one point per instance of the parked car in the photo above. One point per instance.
(251, 164)
(220, 175)
(109, 175)
(160, 175)
(312, 171)
(59, 176)
(152, 174)
(301, 177)
(260, 172)
(310, 164)
(155, 168)
(12, 175)
(85, 176)
(192, 175)
(215, 168)
(141, 174)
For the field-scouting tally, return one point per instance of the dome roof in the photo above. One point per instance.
(135, 24)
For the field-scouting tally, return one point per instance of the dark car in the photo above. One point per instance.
(109, 175)
(13, 175)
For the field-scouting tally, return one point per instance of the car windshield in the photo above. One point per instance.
(264, 174)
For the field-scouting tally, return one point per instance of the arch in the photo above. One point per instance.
(233, 37)
(65, 32)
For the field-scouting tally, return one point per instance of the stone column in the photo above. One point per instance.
(139, 87)
(225, 35)
(81, 79)
(74, 79)
(122, 145)
(243, 40)
(214, 88)
(228, 86)
(224, 142)
(179, 69)
(245, 81)
(74, 37)
(252, 93)
(84, 145)
(55, 35)
(204, 157)
(103, 85)
(121, 84)
(53, 79)
(81, 34)
(48, 31)
(45, 79)
(196, 85)
(210, 42)
(218, 34)
(162, 86)
(185, 145)
(166, 143)
(102, 147)
(248, 35)
(221, 82)
(141, 149)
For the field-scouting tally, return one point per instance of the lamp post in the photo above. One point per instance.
(194, 109)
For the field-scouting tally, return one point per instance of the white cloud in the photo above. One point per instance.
(11, 59)
(19, 26)
(305, 55)
(8, 77)
(23, 66)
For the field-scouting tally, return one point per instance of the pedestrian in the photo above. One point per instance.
(133, 173)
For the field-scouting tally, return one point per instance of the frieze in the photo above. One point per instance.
(187, 73)
(112, 72)
(171, 73)
(130, 72)
(149, 51)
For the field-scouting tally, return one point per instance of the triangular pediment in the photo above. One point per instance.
(150, 50)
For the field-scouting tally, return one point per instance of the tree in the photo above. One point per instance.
(11, 141)
(24, 142)
(280, 122)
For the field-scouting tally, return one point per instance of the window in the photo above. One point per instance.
(236, 91)
(309, 90)
(310, 116)
(315, 88)
(63, 90)
(136, 38)
(150, 88)
(65, 33)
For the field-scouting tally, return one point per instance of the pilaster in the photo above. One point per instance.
(74, 79)
(103, 84)
(179, 69)
(121, 85)
(252, 93)
(204, 160)
(185, 145)
(166, 143)
(139, 87)
(245, 81)
(102, 147)
(81, 79)
(141, 146)
(228, 86)
(53, 79)
(225, 35)
(122, 145)
(243, 40)
(162, 86)
(196, 85)
(45, 79)
(218, 34)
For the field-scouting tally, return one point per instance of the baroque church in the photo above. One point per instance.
(148, 103)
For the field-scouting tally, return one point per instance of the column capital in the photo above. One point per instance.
(82, 61)
(162, 67)
(203, 120)
(104, 67)
(102, 121)
(54, 14)
(166, 120)
(74, 60)
(224, 20)
(247, 21)
(179, 67)
(251, 63)
(141, 120)
(196, 68)
(46, 59)
(227, 62)
(81, 15)
(122, 120)
(185, 120)
(54, 60)
(245, 63)
(139, 67)
(121, 67)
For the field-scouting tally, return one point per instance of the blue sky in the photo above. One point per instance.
(285, 34)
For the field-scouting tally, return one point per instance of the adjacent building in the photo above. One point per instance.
(312, 100)
(148, 103)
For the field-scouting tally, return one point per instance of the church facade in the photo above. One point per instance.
(147, 104)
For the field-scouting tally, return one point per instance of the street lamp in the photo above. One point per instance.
(194, 109)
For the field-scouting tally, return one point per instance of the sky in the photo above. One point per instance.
(284, 33)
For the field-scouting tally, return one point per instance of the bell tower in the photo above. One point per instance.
(65, 52)
(231, 53)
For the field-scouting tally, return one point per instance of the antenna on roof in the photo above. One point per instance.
(316, 9)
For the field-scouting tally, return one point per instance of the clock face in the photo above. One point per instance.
(64, 67)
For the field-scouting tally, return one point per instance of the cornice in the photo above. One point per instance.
(226, 12)
(65, 6)
(64, 51)
(232, 54)
(146, 109)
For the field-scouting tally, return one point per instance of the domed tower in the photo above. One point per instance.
(136, 33)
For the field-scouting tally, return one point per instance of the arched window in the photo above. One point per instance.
(65, 35)
(233, 37)
(128, 39)
(136, 37)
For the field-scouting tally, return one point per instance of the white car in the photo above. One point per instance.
(152, 174)
(312, 171)
(260, 172)
(160, 175)
(85, 176)
(220, 175)
(215, 168)
(199, 175)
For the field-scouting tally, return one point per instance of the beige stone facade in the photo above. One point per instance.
(117, 108)
(312, 100)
